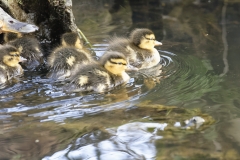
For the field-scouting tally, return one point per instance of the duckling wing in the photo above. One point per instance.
(65, 61)
(119, 45)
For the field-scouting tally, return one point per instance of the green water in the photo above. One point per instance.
(200, 55)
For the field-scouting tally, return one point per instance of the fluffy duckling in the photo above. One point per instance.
(102, 76)
(64, 60)
(30, 49)
(138, 49)
(9, 63)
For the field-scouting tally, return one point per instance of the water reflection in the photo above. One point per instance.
(130, 141)
(134, 140)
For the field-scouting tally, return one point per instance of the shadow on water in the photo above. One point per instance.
(190, 112)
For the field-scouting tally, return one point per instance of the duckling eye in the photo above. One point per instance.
(150, 39)
(10, 59)
(119, 63)
(14, 55)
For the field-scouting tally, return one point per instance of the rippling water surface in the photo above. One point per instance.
(190, 111)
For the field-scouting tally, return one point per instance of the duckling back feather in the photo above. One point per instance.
(65, 58)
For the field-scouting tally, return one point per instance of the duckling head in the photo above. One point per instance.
(10, 56)
(144, 39)
(114, 62)
(71, 39)
(10, 36)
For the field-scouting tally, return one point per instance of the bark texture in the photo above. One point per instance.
(53, 17)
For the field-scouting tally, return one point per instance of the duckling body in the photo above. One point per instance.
(102, 76)
(64, 60)
(30, 49)
(67, 58)
(9, 63)
(138, 49)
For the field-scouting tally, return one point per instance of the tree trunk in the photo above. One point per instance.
(53, 17)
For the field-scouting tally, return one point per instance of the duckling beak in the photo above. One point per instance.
(22, 59)
(156, 43)
(9, 24)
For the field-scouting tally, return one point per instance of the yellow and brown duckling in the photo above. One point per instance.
(102, 76)
(30, 49)
(67, 58)
(9, 63)
(139, 49)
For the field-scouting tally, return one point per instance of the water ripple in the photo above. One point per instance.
(188, 78)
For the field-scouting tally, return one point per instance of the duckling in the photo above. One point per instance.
(102, 76)
(67, 58)
(9, 63)
(64, 60)
(138, 49)
(30, 49)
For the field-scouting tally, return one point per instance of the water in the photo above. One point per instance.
(145, 119)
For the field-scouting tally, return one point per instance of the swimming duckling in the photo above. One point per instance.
(64, 60)
(102, 76)
(139, 48)
(9, 63)
(30, 49)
